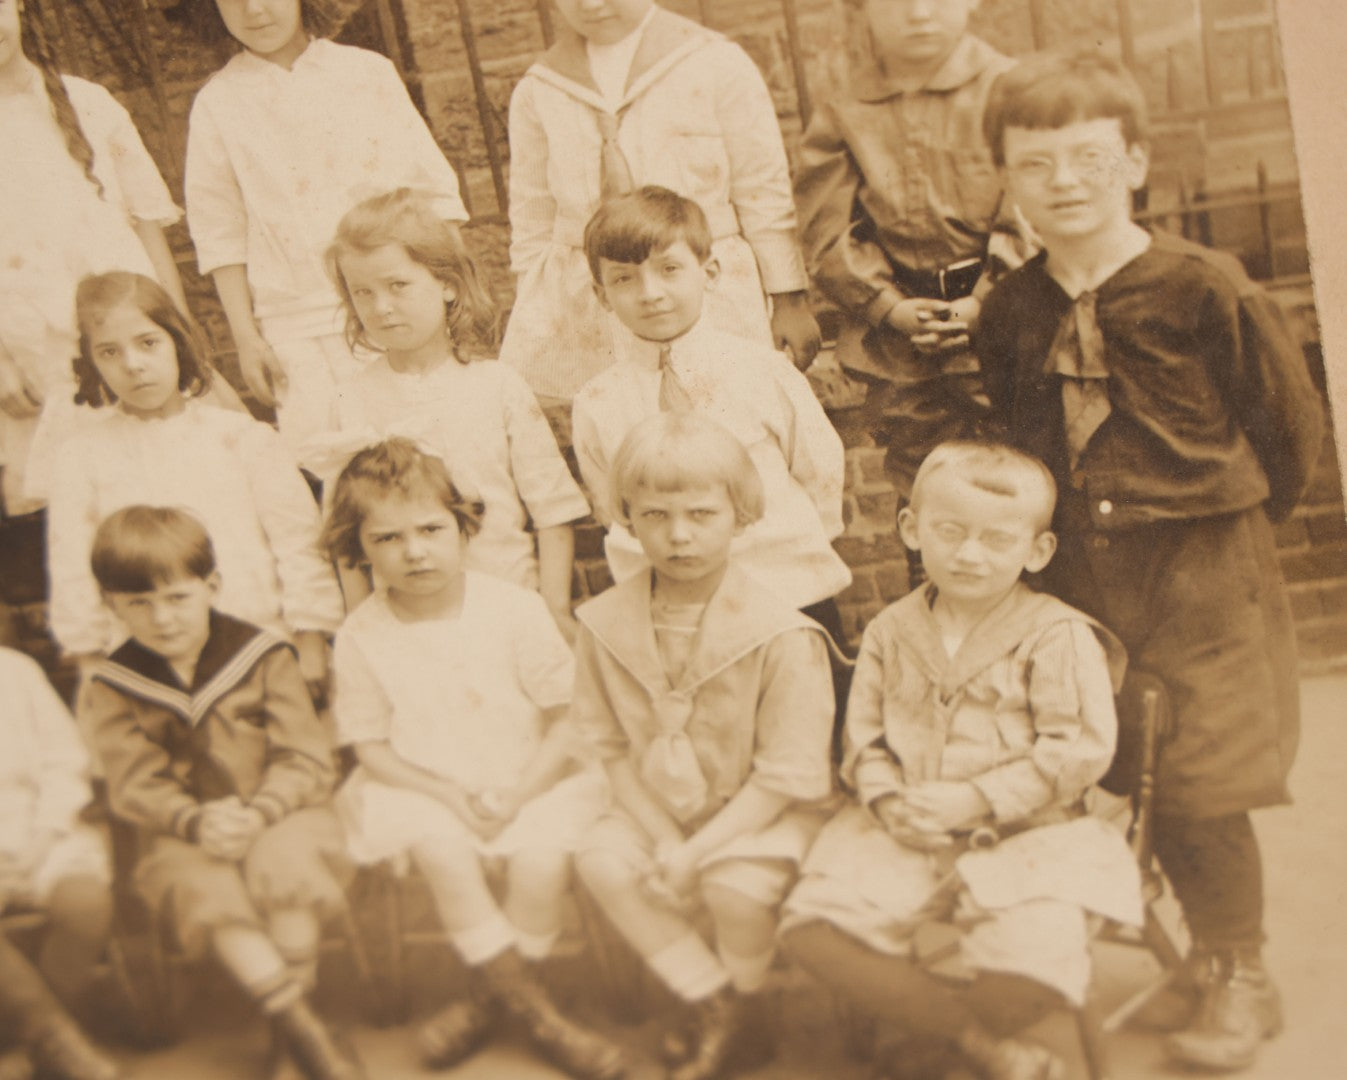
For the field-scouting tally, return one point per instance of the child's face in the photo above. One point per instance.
(603, 21)
(11, 47)
(661, 298)
(686, 534)
(413, 544)
(138, 360)
(916, 33)
(172, 619)
(398, 301)
(975, 544)
(271, 29)
(1074, 181)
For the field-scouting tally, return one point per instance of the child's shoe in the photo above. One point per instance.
(722, 1024)
(1240, 1008)
(319, 1053)
(754, 1045)
(59, 1049)
(1009, 1059)
(571, 1047)
(458, 1030)
(1175, 1006)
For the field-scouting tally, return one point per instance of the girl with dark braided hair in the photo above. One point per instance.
(79, 194)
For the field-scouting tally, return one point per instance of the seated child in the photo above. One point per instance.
(652, 263)
(979, 709)
(900, 209)
(212, 748)
(1174, 408)
(51, 862)
(453, 687)
(708, 698)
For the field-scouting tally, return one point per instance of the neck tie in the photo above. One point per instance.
(673, 395)
(1077, 354)
(614, 172)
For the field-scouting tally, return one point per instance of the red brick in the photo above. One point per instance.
(589, 540)
(1326, 528)
(892, 582)
(1292, 533)
(1306, 603)
(879, 507)
(1315, 564)
(598, 577)
(862, 590)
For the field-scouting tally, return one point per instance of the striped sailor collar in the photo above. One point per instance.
(233, 648)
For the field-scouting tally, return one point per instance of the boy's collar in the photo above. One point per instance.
(642, 351)
(970, 57)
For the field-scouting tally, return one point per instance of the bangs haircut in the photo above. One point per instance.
(98, 294)
(993, 467)
(1050, 91)
(632, 227)
(139, 548)
(321, 18)
(676, 451)
(394, 468)
(408, 219)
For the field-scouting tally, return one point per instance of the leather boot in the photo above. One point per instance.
(720, 1022)
(514, 986)
(754, 1044)
(458, 1030)
(320, 1053)
(1175, 1007)
(59, 1048)
(1009, 1059)
(1240, 1008)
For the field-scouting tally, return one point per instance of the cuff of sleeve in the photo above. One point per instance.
(270, 805)
(877, 310)
(219, 258)
(449, 209)
(186, 823)
(1012, 799)
(874, 777)
(798, 787)
(780, 264)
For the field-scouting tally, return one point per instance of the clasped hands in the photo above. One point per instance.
(673, 882)
(924, 815)
(229, 827)
(935, 327)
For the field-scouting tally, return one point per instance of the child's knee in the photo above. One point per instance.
(539, 873)
(605, 873)
(82, 903)
(731, 907)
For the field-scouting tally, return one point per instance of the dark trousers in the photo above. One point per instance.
(1216, 870)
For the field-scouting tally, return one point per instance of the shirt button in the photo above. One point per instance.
(1105, 507)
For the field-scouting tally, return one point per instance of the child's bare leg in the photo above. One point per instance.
(453, 870)
(745, 934)
(537, 880)
(296, 932)
(79, 922)
(615, 884)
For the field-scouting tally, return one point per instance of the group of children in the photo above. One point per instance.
(678, 740)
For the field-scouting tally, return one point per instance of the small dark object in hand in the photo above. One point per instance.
(944, 314)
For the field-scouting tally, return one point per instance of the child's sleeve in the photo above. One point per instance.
(759, 172)
(79, 622)
(299, 769)
(533, 210)
(310, 596)
(144, 194)
(813, 449)
(361, 711)
(849, 268)
(1075, 727)
(141, 786)
(63, 764)
(217, 217)
(868, 764)
(794, 717)
(591, 456)
(545, 485)
(593, 712)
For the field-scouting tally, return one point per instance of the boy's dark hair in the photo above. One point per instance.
(1053, 90)
(321, 18)
(408, 219)
(98, 294)
(628, 228)
(398, 467)
(138, 548)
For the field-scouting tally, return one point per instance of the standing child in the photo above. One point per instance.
(213, 750)
(411, 290)
(979, 708)
(51, 862)
(709, 700)
(900, 204)
(282, 141)
(79, 194)
(633, 94)
(154, 441)
(653, 265)
(453, 688)
(1173, 407)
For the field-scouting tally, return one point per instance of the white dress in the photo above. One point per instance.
(228, 469)
(463, 697)
(483, 421)
(55, 229)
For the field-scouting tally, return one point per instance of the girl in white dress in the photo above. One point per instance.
(454, 689)
(153, 441)
(79, 194)
(411, 291)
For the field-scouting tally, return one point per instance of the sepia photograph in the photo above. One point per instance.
(672, 539)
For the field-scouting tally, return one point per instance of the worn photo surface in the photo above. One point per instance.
(134, 767)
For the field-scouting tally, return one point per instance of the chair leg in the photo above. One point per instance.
(1158, 940)
(1090, 1029)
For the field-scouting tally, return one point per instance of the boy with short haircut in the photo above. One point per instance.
(709, 702)
(651, 257)
(212, 748)
(900, 209)
(980, 710)
(1176, 412)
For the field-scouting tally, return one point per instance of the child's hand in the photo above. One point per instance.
(945, 804)
(919, 320)
(954, 332)
(228, 828)
(678, 869)
(794, 328)
(464, 806)
(20, 397)
(898, 821)
(496, 804)
(262, 370)
(313, 663)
